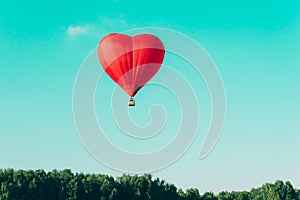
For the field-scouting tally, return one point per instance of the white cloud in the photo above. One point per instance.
(75, 31)
(103, 25)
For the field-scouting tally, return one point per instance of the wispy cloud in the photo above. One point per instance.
(75, 31)
(102, 26)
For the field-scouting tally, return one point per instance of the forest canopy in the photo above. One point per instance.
(63, 185)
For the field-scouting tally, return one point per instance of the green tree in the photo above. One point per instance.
(257, 194)
(272, 192)
(64, 185)
(192, 194)
(290, 192)
(225, 196)
(241, 195)
(297, 194)
(208, 196)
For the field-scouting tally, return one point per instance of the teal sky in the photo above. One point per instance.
(255, 45)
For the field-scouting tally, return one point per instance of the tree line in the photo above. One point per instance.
(65, 185)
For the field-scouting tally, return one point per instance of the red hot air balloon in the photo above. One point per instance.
(131, 61)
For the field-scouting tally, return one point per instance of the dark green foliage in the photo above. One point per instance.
(64, 185)
(208, 196)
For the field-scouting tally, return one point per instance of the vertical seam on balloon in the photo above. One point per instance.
(131, 67)
(134, 62)
(139, 75)
(123, 68)
(136, 71)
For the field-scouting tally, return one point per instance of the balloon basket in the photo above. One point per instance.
(131, 102)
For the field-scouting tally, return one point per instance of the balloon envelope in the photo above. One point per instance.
(131, 61)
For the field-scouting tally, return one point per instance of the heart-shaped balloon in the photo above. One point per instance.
(131, 61)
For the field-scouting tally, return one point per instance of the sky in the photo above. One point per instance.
(255, 45)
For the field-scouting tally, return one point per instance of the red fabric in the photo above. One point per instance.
(131, 61)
